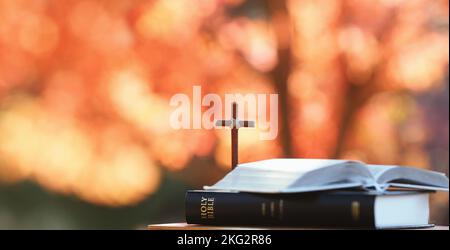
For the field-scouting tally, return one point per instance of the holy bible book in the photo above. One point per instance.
(344, 209)
(317, 193)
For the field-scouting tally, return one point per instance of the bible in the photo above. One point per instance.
(317, 193)
(392, 209)
(307, 175)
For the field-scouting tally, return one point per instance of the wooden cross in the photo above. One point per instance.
(234, 124)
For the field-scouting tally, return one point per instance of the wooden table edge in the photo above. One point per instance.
(185, 226)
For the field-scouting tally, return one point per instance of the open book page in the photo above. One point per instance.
(408, 177)
(294, 175)
(378, 170)
(297, 166)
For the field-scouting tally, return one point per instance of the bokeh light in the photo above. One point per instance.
(85, 87)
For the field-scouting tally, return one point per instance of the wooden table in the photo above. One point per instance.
(184, 226)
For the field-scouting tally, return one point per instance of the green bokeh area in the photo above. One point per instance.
(28, 206)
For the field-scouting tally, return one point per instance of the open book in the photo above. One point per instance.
(306, 175)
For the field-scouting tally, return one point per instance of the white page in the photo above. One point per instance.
(277, 175)
(378, 170)
(304, 175)
(290, 165)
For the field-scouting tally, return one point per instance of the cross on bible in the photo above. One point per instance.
(234, 124)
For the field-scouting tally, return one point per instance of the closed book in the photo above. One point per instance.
(396, 209)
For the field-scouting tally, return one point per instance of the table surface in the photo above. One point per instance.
(185, 226)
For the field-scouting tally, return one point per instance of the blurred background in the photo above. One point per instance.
(85, 88)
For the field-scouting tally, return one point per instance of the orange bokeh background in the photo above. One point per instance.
(85, 87)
